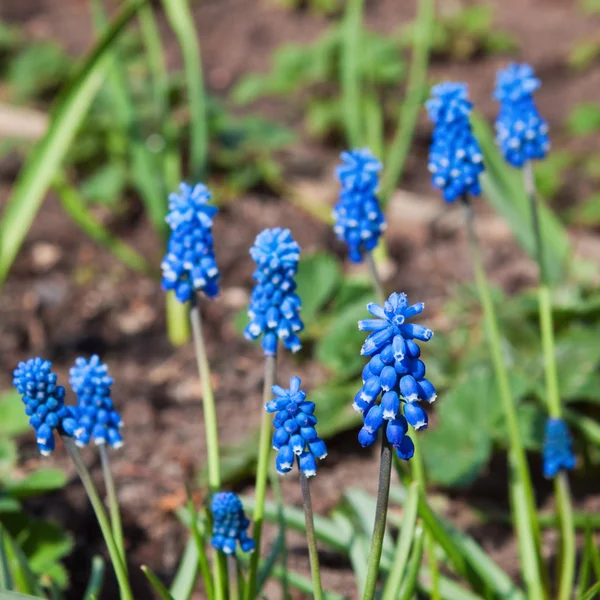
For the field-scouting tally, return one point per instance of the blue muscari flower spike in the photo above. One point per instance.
(274, 307)
(521, 133)
(44, 402)
(396, 372)
(295, 434)
(229, 524)
(558, 448)
(358, 217)
(97, 418)
(455, 159)
(190, 264)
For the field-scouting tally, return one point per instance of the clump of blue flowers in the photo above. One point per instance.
(189, 265)
(521, 133)
(395, 372)
(455, 158)
(558, 448)
(274, 307)
(97, 418)
(295, 434)
(358, 217)
(229, 524)
(44, 402)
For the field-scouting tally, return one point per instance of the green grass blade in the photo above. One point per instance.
(157, 584)
(200, 547)
(45, 159)
(187, 572)
(414, 565)
(503, 187)
(397, 153)
(593, 592)
(6, 595)
(182, 22)
(24, 579)
(303, 584)
(405, 539)
(96, 581)
(6, 582)
(74, 205)
(350, 71)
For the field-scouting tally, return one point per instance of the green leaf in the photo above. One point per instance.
(46, 543)
(584, 119)
(106, 184)
(318, 277)
(584, 53)
(94, 586)
(471, 444)
(23, 577)
(412, 572)
(187, 572)
(593, 592)
(503, 187)
(45, 159)
(6, 595)
(588, 212)
(358, 551)
(13, 420)
(38, 482)
(157, 584)
(6, 582)
(339, 349)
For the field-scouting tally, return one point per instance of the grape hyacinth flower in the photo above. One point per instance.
(44, 402)
(274, 306)
(358, 218)
(295, 434)
(229, 524)
(395, 372)
(558, 448)
(455, 159)
(97, 418)
(189, 265)
(521, 133)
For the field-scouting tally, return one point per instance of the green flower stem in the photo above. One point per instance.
(208, 399)
(313, 553)
(528, 527)
(232, 575)
(375, 279)
(561, 483)
(113, 500)
(113, 551)
(262, 473)
(383, 494)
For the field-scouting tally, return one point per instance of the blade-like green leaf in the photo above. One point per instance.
(23, 577)
(405, 539)
(13, 420)
(94, 586)
(182, 22)
(414, 565)
(6, 595)
(157, 584)
(593, 592)
(503, 187)
(45, 159)
(187, 572)
(36, 483)
(6, 581)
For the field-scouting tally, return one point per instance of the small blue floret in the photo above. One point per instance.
(98, 420)
(558, 448)
(44, 402)
(274, 307)
(455, 159)
(521, 133)
(396, 372)
(229, 524)
(358, 217)
(295, 434)
(189, 265)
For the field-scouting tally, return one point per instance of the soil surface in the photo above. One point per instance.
(66, 296)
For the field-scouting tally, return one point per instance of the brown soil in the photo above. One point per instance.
(66, 296)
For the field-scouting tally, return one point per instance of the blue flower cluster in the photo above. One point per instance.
(396, 372)
(358, 217)
(274, 306)
(558, 448)
(190, 264)
(44, 402)
(521, 132)
(295, 433)
(229, 524)
(455, 159)
(97, 417)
